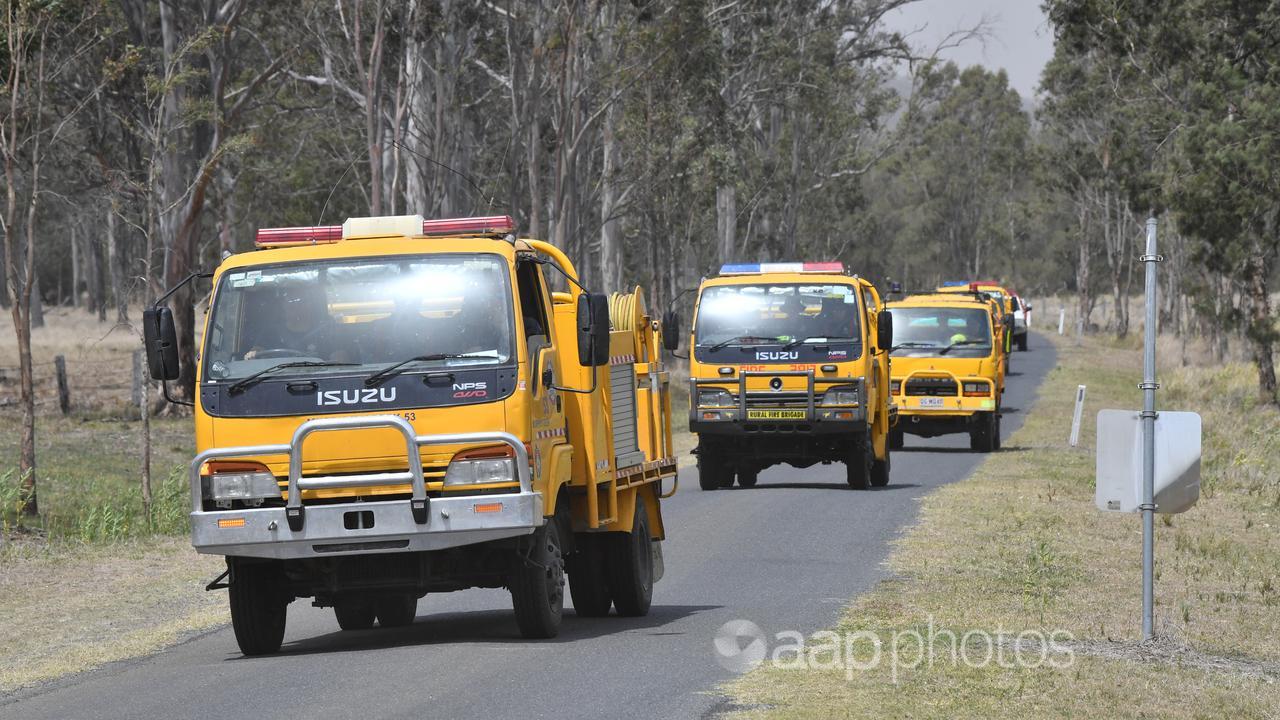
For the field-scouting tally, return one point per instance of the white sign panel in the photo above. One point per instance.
(1119, 461)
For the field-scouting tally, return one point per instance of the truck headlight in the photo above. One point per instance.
(840, 395)
(715, 397)
(977, 389)
(243, 486)
(480, 472)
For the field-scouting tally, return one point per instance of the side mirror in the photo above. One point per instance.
(895, 287)
(884, 330)
(593, 329)
(671, 330)
(160, 339)
(1026, 307)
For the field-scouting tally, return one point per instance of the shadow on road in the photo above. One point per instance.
(833, 486)
(481, 626)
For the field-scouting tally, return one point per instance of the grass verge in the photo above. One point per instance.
(1020, 548)
(69, 608)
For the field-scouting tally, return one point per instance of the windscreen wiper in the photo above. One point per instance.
(243, 384)
(799, 341)
(394, 369)
(962, 343)
(908, 345)
(741, 338)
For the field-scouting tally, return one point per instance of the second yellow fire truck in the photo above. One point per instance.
(789, 364)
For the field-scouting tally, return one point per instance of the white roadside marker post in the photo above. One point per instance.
(1075, 420)
(1062, 320)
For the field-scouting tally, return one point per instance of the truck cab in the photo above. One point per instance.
(789, 364)
(947, 368)
(395, 407)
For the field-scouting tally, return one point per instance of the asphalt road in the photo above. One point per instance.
(786, 555)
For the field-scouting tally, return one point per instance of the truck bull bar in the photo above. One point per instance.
(419, 523)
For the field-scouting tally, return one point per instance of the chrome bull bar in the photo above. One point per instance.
(295, 511)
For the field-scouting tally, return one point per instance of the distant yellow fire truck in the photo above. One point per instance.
(948, 374)
(789, 364)
(395, 407)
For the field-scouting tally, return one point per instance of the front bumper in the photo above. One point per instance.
(763, 412)
(942, 406)
(419, 523)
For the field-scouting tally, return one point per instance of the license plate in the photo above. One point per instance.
(776, 414)
(931, 402)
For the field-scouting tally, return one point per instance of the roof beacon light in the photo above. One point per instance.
(791, 267)
(493, 225)
(292, 236)
(955, 283)
(371, 227)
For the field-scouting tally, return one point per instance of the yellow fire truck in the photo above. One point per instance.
(395, 407)
(789, 364)
(948, 372)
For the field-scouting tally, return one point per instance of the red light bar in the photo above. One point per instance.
(288, 237)
(493, 225)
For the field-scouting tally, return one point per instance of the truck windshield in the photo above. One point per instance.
(941, 331)
(356, 316)
(798, 316)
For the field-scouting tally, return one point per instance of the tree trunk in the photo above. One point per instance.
(75, 267)
(726, 222)
(1261, 330)
(115, 262)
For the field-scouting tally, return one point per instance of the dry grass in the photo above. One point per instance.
(70, 609)
(98, 355)
(1020, 546)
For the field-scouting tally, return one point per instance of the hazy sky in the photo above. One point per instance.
(1019, 41)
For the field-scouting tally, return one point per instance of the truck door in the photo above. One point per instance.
(538, 335)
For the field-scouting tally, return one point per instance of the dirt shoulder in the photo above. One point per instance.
(74, 608)
(1014, 597)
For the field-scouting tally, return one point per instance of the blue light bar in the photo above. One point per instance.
(955, 283)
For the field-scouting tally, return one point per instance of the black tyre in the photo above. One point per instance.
(631, 566)
(897, 439)
(712, 472)
(1022, 343)
(354, 613)
(396, 610)
(880, 469)
(537, 585)
(747, 477)
(858, 462)
(588, 583)
(259, 606)
(985, 433)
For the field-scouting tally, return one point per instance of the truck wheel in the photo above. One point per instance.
(1022, 343)
(396, 610)
(982, 438)
(880, 470)
(631, 567)
(897, 439)
(858, 462)
(711, 470)
(747, 477)
(995, 430)
(354, 614)
(726, 479)
(537, 585)
(588, 585)
(258, 607)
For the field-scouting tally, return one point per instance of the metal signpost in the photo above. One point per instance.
(1149, 385)
(1128, 447)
